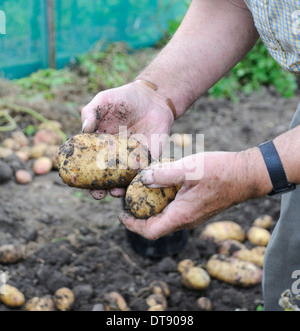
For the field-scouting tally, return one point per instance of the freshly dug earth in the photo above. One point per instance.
(76, 242)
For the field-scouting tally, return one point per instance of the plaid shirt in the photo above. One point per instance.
(278, 23)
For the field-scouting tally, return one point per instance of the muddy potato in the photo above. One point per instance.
(11, 296)
(234, 271)
(255, 255)
(157, 300)
(144, 202)
(10, 254)
(63, 299)
(115, 302)
(258, 236)
(204, 304)
(195, 278)
(230, 246)
(40, 304)
(263, 221)
(184, 265)
(222, 230)
(96, 162)
(160, 287)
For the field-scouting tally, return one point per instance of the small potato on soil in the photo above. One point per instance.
(234, 271)
(10, 254)
(11, 296)
(40, 304)
(258, 236)
(157, 300)
(255, 255)
(144, 202)
(39, 150)
(115, 302)
(184, 265)
(63, 299)
(48, 136)
(230, 246)
(195, 278)
(42, 166)
(23, 177)
(263, 221)
(222, 230)
(204, 304)
(160, 287)
(97, 162)
(4, 152)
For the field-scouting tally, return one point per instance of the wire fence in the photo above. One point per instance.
(34, 33)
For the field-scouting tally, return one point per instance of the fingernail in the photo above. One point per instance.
(84, 125)
(147, 177)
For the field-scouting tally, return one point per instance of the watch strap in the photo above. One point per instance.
(275, 168)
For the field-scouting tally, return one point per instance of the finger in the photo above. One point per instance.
(151, 229)
(98, 194)
(117, 192)
(90, 115)
(174, 173)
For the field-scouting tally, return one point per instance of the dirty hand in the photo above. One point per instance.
(135, 107)
(222, 180)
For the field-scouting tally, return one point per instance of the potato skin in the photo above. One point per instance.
(97, 162)
(234, 271)
(222, 230)
(144, 202)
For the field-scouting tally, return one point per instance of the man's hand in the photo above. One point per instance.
(135, 107)
(228, 179)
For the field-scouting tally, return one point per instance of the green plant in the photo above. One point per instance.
(46, 81)
(257, 69)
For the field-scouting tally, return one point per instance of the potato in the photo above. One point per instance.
(20, 138)
(195, 278)
(39, 150)
(255, 255)
(156, 308)
(48, 136)
(230, 246)
(263, 221)
(10, 254)
(63, 299)
(234, 271)
(10, 143)
(40, 304)
(258, 236)
(222, 230)
(115, 302)
(23, 177)
(52, 154)
(42, 166)
(184, 265)
(4, 152)
(156, 300)
(96, 162)
(144, 202)
(204, 304)
(160, 287)
(11, 296)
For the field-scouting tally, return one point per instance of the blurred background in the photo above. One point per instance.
(38, 29)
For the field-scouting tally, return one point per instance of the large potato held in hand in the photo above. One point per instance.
(144, 202)
(97, 162)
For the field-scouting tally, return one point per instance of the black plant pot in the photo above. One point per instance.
(165, 246)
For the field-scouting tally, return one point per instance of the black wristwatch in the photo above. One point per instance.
(276, 170)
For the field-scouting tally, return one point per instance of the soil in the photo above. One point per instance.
(74, 241)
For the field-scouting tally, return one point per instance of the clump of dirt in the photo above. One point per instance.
(76, 242)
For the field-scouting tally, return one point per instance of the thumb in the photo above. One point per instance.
(163, 175)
